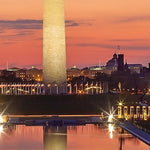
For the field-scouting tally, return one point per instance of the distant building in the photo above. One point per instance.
(73, 72)
(149, 67)
(7, 73)
(20, 73)
(112, 64)
(92, 73)
(89, 73)
(1, 72)
(135, 68)
(97, 68)
(34, 74)
(24, 74)
(120, 62)
(14, 69)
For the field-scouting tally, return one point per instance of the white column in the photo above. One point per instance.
(54, 47)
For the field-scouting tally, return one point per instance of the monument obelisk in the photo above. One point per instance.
(54, 47)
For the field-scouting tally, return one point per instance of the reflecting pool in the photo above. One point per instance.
(88, 137)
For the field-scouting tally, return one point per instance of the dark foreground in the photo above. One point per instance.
(62, 104)
(55, 104)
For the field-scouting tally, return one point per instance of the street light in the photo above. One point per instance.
(49, 86)
(86, 85)
(70, 88)
(120, 104)
(76, 90)
(56, 88)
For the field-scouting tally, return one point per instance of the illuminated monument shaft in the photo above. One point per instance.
(54, 50)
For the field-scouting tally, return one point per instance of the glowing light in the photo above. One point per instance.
(33, 90)
(120, 104)
(48, 85)
(110, 118)
(80, 92)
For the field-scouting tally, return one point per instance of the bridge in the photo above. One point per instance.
(52, 119)
(143, 136)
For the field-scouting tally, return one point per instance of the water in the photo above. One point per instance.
(89, 137)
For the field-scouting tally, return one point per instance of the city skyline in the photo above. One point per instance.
(93, 31)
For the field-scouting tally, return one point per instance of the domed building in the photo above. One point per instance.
(112, 64)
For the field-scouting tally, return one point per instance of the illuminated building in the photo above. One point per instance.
(135, 68)
(21, 73)
(14, 69)
(92, 73)
(73, 72)
(112, 64)
(34, 74)
(54, 47)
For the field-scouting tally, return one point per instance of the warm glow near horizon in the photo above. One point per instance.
(94, 28)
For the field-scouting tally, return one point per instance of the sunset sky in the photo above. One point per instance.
(94, 28)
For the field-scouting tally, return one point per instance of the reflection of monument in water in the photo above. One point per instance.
(55, 137)
(54, 50)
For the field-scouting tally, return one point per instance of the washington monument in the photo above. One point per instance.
(54, 47)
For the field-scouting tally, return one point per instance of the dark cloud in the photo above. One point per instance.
(137, 47)
(36, 24)
(71, 23)
(28, 27)
(16, 36)
(129, 40)
(133, 19)
(21, 33)
(21, 21)
(113, 47)
(21, 24)
(94, 45)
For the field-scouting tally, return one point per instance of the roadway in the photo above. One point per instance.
(143, 136)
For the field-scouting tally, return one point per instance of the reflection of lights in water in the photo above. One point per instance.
(110, 118)
(1, 119)
(111, 129)
(1, 129)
